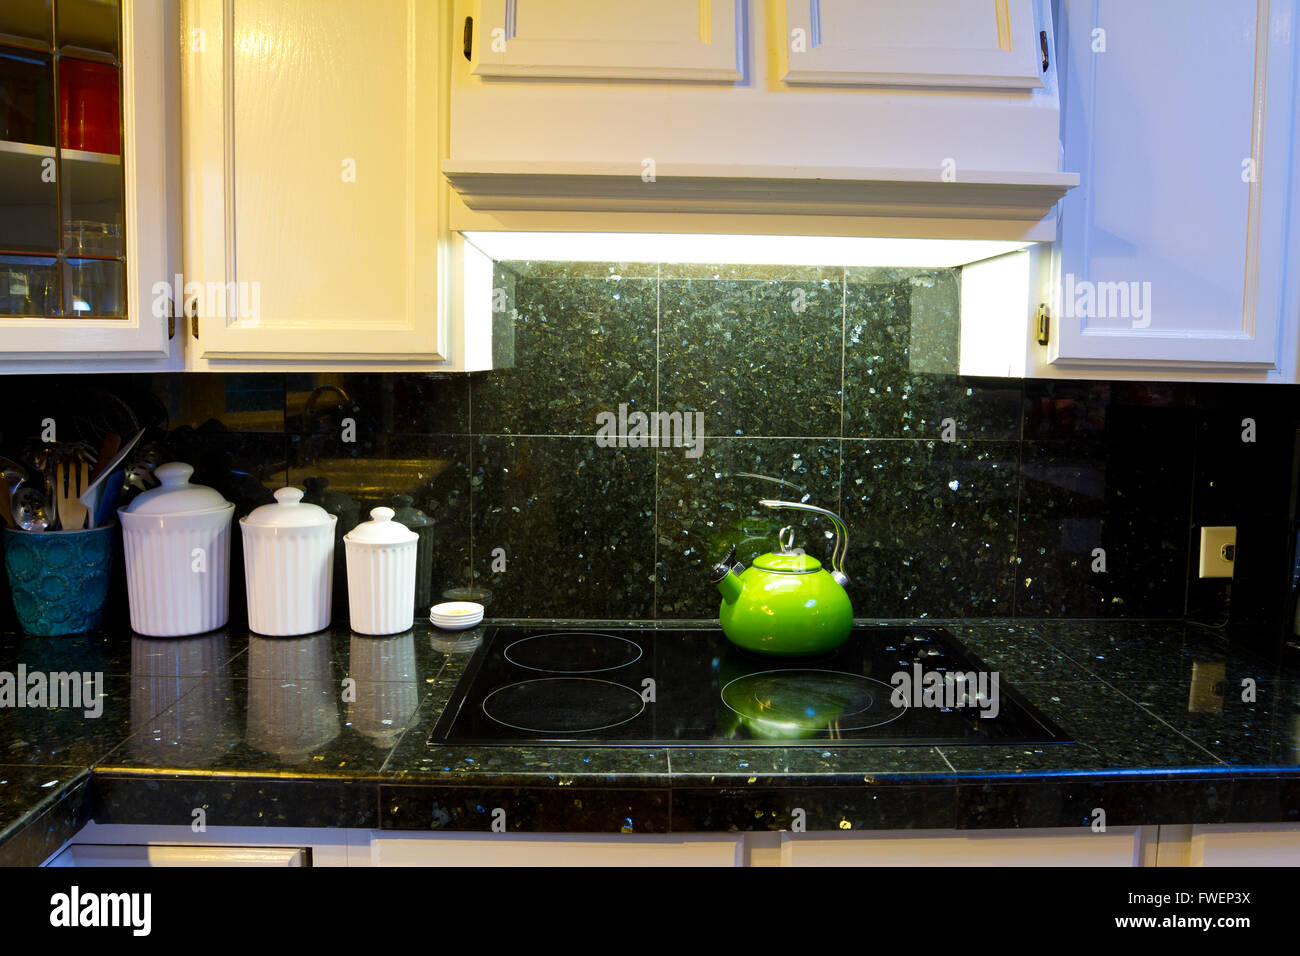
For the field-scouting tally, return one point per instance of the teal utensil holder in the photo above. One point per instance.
(59, 579)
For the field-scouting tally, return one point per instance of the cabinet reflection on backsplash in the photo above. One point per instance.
(558, 485)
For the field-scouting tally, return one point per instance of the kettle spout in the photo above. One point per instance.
(726, 575)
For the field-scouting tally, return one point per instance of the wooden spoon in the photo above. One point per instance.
(70, 478)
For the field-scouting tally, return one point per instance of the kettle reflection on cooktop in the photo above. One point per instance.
(651, 686)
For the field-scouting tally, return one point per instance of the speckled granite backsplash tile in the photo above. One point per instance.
(964, 497)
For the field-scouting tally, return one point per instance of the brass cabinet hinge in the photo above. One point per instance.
(1044, 325)
(171, 326)
(194, 319)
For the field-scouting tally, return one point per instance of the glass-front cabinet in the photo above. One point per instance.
(85, 235)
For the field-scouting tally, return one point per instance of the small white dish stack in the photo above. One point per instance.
(176, 539)
(288, 566)
(456, 615)
(381, 574)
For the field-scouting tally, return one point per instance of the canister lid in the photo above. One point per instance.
(289, 511)
(381, 529)
(176, 496)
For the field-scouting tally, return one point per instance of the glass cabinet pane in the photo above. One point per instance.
(29, 286)
(92, 204)
(88, 25)
(61, 185)
(26, 96)
(27, 22)
(93, 287)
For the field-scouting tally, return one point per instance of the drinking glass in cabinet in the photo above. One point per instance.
(94, 287)
(88, 25)
(92, 204)
(28, 286)
(90, 237)
(28, 22)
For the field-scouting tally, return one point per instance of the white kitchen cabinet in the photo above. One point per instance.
(939, 43)
(923, 120)
(690, 40)
(1178, 252)
(45, 192)
(315, 213)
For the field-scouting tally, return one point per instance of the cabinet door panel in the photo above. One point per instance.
(1172, 250)
(953, 43)
(104, 211)
(316, 195)
(697, 40)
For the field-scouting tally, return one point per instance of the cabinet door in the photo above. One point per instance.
(1244, 845)
(89, 854)
(315, 209)
(632, 39)
(928, 43)
(1180, 121)
(86, 246)
(1075, 846)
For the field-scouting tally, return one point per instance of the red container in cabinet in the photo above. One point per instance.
(89, 115)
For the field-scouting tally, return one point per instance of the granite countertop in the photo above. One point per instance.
(331, 731)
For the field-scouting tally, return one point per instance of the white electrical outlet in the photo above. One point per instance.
(1218, 550)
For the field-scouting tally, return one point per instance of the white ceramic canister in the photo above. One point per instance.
(381, 556)
(176, 539)
(288, 566)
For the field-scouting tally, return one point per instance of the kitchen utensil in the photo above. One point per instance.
(107, 449)
(110, 456)
(288, 565)
(115, 458)
(31, 510)
(71, 478)
(109, 493)
(381, 556)
(176, 539)
(786, 604)
(59, 579)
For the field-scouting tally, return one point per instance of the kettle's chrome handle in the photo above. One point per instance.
(841, 547)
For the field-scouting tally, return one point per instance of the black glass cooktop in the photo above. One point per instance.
(885, 686)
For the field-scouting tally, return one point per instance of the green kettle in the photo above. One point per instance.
(786, 604)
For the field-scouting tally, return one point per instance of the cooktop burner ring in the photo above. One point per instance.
(868, 695)
(611, 656)
(619, 701)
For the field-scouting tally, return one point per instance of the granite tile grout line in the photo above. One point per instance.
(844, 361)
(132, 734)
(654, 520)
(943, 756)
(1193, 547)
(1106, 683)
(469, 476)
(591, 437)
(1020, 483)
